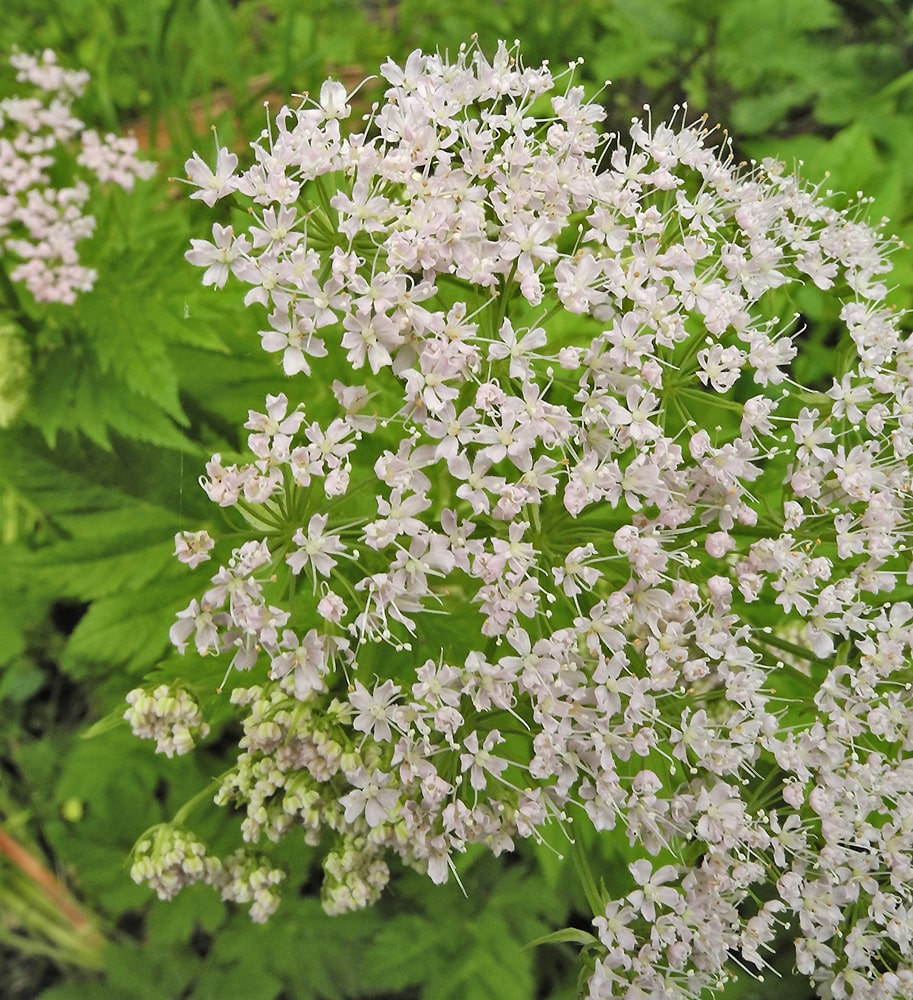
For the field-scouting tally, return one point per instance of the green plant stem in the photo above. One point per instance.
(585, 874)
(503, 300)
(181, 815)
(44, 907)
(769, 639)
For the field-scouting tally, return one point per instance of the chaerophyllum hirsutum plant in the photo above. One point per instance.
(539, 530)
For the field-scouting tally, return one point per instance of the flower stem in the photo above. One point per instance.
(769, 639)
(181, 815)
(588, 883)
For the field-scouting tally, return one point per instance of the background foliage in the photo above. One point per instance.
(134, 387)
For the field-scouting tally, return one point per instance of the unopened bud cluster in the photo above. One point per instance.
(170, 716)
(542, 528)
(249, 878)
(169, 858)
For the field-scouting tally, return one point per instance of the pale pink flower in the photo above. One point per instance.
(213, 184)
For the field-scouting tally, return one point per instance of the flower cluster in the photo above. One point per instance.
(169, 858)
(42, 217)
(171, 717)
(543, 530)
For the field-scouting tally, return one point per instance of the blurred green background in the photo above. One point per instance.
(132, 389)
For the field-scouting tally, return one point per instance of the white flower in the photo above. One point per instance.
(213, 184)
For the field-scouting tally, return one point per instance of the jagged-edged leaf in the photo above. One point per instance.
(53, 393)
(42, 478)
(99, 544)
(185, 915)
(246, 974)
(87, 567)
(72, 394)
(104, 405)
(127, 344)
(134, 970)
(127, 629)
(402, 953)
(472, 947)
(316, 956)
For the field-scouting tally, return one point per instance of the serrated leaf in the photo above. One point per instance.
(42, 477)
(138, 972)
(111, 549)
(78, 988)
(105, 405)
(12, 626)
(53, 394)
(246, 977)
(128, 629)
(318, 957)
(176, 921)
(400, 951)
(133, 355)
(85, 574)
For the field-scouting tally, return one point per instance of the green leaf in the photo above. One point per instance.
(464, 948)
(106, 547)
(18, 683)
(113, 720)
(128, 629)
(109, 551)
(127, 343)
(78, 988)
(788, 75)
(53, 394)
(245, 977)
(136, 970)
(571, 935)
(15, 614)
(400, 953)
(174, 922)
(318, 957)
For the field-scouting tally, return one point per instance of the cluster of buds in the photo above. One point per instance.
(42, 216)
(170, 716)
(249, 878)
(168, 858)
(544, 530)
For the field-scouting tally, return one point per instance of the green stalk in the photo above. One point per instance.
(503, 300)
(51, 921)
(181, 815)
(587, 881)
(769, 639)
